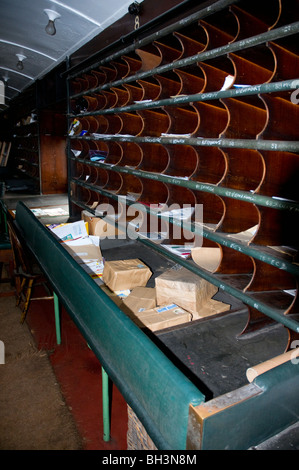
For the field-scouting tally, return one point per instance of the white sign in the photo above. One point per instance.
(2, 92)
(2, 353)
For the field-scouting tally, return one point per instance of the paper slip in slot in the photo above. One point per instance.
(179, 250)
(51, 212)
(93, 268)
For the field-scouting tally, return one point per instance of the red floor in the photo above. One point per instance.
(78, 372)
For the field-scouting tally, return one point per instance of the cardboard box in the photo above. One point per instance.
(86, 250)
(211, 307)
(88, 255)
(117, 300)
(125, 274)
(185, 289)
(141, 298)
(161, 317)
(98, 226)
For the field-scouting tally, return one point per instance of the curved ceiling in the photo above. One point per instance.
(22, 31)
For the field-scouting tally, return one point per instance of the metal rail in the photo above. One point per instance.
(202, 13)
(272, 35)
(262, 307)
(245, 196)
(273, 87)
(255, 144)
(202, 230)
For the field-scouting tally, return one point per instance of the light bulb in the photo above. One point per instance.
(20, 64)
(50, 28)
(52, 16)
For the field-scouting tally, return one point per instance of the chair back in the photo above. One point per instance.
(21, 257)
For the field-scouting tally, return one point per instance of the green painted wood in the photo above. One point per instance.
(133, 362)
(272, 407)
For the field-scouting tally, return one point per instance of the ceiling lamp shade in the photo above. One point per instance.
(52, 16)
(21, 58)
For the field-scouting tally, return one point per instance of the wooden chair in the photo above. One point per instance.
(6, 255)
(4, 153)
(26, 272)
(6, 258)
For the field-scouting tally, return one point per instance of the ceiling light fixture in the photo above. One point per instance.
(20, 64)
(52, 16)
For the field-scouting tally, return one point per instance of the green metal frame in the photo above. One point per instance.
(105, 406)
(57, 318)
(250, 415)
(245, 196)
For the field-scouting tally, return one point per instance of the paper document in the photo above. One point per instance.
(52, 212)
(71, 231)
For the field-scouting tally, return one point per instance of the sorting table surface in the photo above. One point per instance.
(211, 351)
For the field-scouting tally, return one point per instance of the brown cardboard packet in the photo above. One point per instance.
(116, 299)
(141, 298)
(161, 317)
(211, 307)
(98, 226)
(182, 287)
(125, 274)
(153, 318)
(84, 252)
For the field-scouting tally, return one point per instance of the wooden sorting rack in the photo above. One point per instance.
(204, 111)
(25, 149)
